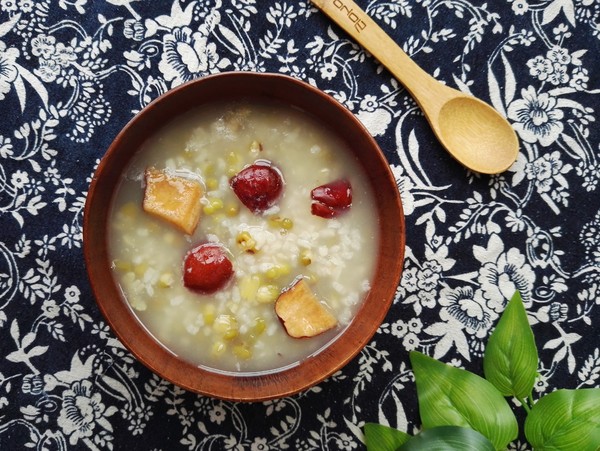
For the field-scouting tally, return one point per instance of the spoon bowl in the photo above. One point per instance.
(479, 137)
(473, 132)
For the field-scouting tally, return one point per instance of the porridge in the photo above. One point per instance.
(244, 236)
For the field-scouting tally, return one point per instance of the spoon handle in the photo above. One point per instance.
(428, 92)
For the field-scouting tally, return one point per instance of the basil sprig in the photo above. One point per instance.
(463, 411)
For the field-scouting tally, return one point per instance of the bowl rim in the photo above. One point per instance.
(247, 386)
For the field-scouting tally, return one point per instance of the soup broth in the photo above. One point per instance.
(236, 328)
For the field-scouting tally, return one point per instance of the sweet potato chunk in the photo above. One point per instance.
(301, 312)
(173, 199)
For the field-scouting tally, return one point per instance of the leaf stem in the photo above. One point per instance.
(530, 399)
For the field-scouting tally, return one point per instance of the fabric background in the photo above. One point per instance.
(73, 72)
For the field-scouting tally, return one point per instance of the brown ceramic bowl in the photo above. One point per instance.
(133, 334)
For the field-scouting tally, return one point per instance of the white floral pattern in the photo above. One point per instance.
(73, 72)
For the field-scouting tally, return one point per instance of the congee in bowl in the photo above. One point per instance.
(273, 248)
(249, 244)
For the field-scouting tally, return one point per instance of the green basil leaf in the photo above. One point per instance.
(450, 396)
(448, 438)
(565, 420)
(510, 360)
(383, 438)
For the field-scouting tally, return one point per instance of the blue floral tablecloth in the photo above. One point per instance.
(73, 72)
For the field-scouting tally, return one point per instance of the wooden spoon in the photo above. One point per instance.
(471, 130)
